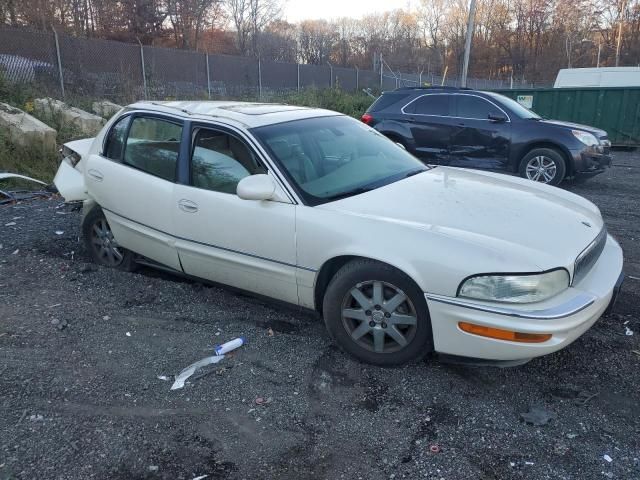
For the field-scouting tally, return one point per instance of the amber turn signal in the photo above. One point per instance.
(500, 334)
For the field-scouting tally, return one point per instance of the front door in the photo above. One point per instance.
(431, 125)
(223, 238)
(132, 179)
(482, 135)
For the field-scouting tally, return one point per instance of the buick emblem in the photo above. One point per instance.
(586, 224)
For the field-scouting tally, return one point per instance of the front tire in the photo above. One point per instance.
(377, 314)
(99, 241)
(544, 165)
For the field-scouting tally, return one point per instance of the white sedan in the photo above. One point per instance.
(319, 210)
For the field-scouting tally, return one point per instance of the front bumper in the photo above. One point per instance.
(565, 316)
(591, 161)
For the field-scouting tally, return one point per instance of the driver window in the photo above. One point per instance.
(219, 161)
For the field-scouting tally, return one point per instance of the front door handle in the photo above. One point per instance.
(187, 206)
(95, 174)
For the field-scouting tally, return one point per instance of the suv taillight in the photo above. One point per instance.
(366, 118)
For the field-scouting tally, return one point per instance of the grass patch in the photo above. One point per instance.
(352, 104)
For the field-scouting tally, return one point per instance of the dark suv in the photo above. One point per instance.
(474, 129)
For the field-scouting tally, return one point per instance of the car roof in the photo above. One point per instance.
(248, 114)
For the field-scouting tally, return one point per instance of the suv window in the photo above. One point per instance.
(152, 146)
(433, 104)
(219, 161)
(114, 144)
(475, 107)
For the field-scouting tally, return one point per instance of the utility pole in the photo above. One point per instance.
(624, 8)
(467, 43)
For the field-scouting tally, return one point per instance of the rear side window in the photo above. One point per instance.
(386, 100)
(476, 108)
(114, 145)
(430, 105)
(152, 146)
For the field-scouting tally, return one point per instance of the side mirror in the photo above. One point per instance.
(497, 118)
(256, 187)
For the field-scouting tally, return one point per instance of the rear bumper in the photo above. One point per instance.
(565, 317)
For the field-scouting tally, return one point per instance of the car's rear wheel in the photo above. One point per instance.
(102, 245)
(378, 314)
(544, 165)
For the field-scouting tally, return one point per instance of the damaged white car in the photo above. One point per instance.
(317, 209)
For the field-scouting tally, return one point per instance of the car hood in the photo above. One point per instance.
(543, 227)
(596, 131)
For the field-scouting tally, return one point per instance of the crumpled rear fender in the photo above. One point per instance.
(69, 179)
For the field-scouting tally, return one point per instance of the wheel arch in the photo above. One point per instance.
(564, 151)
(331, 266)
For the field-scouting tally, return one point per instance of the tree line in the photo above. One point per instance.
(528, 40)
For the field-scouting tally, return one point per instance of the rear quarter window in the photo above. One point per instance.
(386, 100)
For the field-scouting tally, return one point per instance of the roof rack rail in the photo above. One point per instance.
(434, 87)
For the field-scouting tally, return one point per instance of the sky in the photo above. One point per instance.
(296, 10)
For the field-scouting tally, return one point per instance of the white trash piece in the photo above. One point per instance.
(191, 369)
(229, 346)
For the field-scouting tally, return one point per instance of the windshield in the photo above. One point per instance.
(328, 158)
(517, 109)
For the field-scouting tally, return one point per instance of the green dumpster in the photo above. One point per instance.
(615, 110)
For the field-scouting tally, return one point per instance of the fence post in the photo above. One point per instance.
(420, 78)
(298, 68)
(144, 73)
(330, 74)
(208, 76)
(259, 80)
(60, 74)
(357, 79)
(381, 70)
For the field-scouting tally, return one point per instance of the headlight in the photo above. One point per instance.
(585, 137)
(515, 288)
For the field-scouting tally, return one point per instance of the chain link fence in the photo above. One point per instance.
(61, 66)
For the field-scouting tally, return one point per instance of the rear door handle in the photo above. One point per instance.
(95, 174)
(187, 206)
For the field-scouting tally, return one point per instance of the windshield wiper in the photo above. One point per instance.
(349, 193)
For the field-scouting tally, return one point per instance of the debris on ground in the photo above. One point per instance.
(14, 196)
(434, 448)
(537, 416)
(36, 418)
(607, 458)
(191, 369)
(163, 378)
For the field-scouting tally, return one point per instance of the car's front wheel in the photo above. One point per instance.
(102, 245)
(543, 165)
(378, 314)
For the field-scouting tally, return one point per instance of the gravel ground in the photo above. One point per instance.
(81, 349)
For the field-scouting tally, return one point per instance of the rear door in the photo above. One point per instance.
(431, 126)
(481, 137)
(223, 238)
(133, 178)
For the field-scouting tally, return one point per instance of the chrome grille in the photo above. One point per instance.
(589, 256)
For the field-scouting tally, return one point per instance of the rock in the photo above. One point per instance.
(84, 122)
(26, 131)
(105, 108)
(62, 325)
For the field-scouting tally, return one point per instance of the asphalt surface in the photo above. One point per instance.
(81, 349)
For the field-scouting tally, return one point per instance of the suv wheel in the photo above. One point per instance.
(543, 165)
(377, 314)
(99, 241)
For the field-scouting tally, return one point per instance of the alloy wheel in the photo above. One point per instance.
(105, 245)
(379, 317)
(541, 169)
